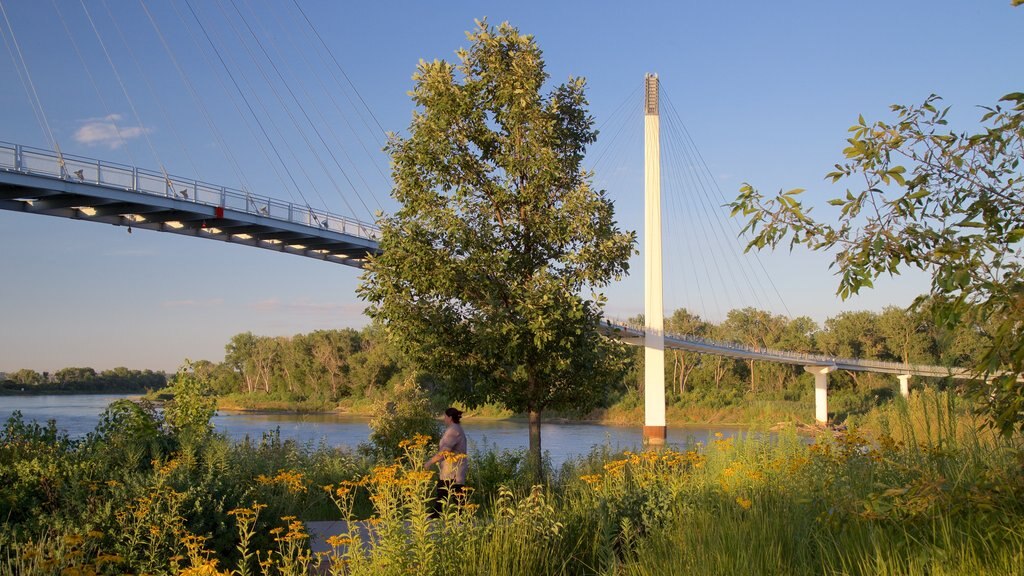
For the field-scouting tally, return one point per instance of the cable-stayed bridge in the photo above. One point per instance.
(254, 74)
(44, 182)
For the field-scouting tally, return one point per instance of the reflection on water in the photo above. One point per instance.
(78, 414)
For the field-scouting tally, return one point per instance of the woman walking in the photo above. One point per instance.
(451, 455)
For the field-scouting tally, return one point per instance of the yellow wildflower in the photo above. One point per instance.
(339, 540)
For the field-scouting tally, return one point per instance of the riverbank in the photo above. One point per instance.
(757, 413)
(44, 391)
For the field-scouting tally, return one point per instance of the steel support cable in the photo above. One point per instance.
(330, 126)
(725, 241)
(337, 65)
(735, 225)
(283, 106)
(610, 121)
(149, 86)
(676, 161)
(625, 129)
(709, 232)
(255, 137)
(124, 90)
(92, 80)
(374, 160)
(698, 157)
(609, 158)
(676, 215)
(37, 104)
(676, 202)
(340, 69)
(736, 228)
(305, 114)
(248, 105)
(229, 156)
(24, 85)
(612, 160)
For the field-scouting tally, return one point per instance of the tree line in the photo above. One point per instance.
(324, 365)
(895, 334)
(349, 364)
(82, 379)
(335, 365)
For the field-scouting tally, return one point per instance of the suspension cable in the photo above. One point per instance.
(154, 93)
(305, 114)
(735, 226)
(34, 97)
(248, 105)
(340, 69)
(197, 99)
(92, 80)
(124, 90)
(699, 177)
(281, 105)
(253, 135)
(374, 160)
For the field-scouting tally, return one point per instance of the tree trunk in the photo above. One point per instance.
(536, 468)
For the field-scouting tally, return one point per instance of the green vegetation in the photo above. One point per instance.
(359, 372)
(911, 488)
(926, 197)
(81, 380)
(498, 234)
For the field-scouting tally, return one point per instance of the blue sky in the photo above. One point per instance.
(766, 90)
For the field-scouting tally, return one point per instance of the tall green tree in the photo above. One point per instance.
(499, 233)
(682, 364)
(949, 203)
(906, 334)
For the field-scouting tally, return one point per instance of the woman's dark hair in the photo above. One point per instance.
(454, 414)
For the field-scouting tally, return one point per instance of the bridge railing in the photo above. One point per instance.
(801, 357)
(38, 161)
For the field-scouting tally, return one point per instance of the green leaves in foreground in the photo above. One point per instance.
(948, 203)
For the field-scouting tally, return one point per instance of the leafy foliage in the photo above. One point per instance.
(188, 414)
(498, 234)
(945, 202)
(405, 413)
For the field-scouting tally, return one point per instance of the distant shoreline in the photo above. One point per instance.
(64, 392)
(735, 416)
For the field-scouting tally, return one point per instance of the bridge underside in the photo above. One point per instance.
(50, 196)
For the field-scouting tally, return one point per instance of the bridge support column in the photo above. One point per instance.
(820, 391)
(904, 385)
(655, 430)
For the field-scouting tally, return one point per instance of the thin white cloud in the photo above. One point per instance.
(265, 305)
(130, 252)
(211, 303)
(305, 307)
(107, 131)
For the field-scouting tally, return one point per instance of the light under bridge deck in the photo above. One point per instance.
(635, 335)
(37, 181)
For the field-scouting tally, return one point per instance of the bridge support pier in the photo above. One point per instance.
(820, 391)
(904, 385)
(654, 308)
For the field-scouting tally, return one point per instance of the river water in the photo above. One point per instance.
(78, 414)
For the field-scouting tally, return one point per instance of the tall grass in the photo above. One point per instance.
(913, 487)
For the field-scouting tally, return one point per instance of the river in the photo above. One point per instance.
(77, 414)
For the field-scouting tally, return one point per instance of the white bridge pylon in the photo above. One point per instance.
(655, 430)
(654, 339)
